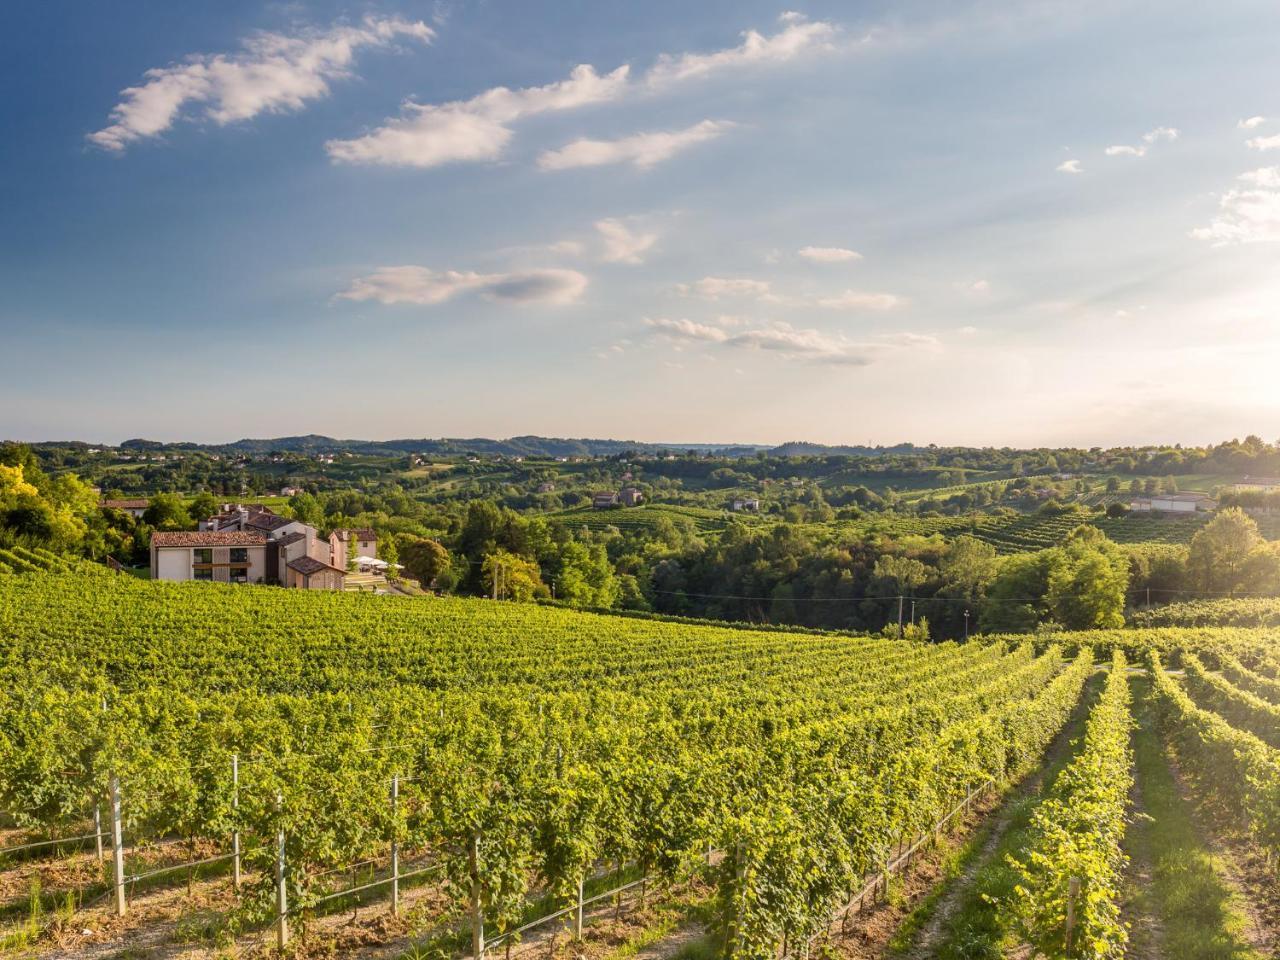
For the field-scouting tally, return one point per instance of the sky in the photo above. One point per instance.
(983, 223)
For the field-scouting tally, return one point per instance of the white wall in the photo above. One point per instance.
(173, 563)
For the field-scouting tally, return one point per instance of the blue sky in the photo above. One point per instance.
(984, 223)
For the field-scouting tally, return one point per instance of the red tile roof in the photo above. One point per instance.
(207, 538)
(127, 504)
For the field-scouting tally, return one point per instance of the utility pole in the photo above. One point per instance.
(966, 624)
(913, 612)
(899, 616)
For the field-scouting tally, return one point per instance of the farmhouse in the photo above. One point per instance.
(746, 505)
(1173, 503)
(604, 500)
(351, 543)
(222, 556)
(135, 508)
(630, 496)
(253, 544)
(546, 487)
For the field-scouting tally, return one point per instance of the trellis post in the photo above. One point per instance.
(577, 916)
(235, 832)
(477, 911)
(1073, 893)
(282, 897)
(117, 846)
(97, 829)
(395, 845)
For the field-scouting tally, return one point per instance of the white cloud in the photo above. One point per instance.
(979, 287)
(1265, 143)
(621, 244)
(1262, 177)
(859, 300)
(1251, 123)
(1244, 216)
(713, 288)
(688, 329)
(275, 74)
(476, 129)
(797, 38)
(426, 287)
(1168, 134)
(480, 129)
(797, 343)
(642, 150)
(1069, 166)
(968, 331)
(828, 254)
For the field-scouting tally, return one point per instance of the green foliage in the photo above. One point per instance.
(1075, 863)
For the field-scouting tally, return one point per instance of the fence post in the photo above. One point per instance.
(97, 829)
(477, 912)
(117, 846)
(395, 845)
(235, 813)
(577, 916)
(282, 899)
(1073, 893)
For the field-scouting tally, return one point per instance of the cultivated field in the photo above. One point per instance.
(496, 765)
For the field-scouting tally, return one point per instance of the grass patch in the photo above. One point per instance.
(1200, 914)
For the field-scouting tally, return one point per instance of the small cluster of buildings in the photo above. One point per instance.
(626, 497)
(253, 544)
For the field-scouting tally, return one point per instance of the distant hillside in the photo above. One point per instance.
(527, 446)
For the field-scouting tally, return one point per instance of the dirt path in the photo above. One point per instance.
(924, 943)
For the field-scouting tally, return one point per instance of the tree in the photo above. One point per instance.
(1219, 551)
(202, 506)
(1088, 581)
(166, 511)
(307, 508)
(1015, 597)
(510, 576)
(1117, 510)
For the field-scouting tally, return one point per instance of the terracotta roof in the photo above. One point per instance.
(289, 538)
(208, 538)
(127, 504)
(363, 533)
(309, 565)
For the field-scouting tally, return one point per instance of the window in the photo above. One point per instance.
(201, 573)
(239, 575)
(239, 554)
(202, 555)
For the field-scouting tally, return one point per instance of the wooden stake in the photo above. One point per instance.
(117, 846)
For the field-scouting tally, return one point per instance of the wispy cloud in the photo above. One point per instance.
(275, 73)
(828, 254)
(426, 287)
(789, 341)
(479, 129)
(1262, 177)
(1069, 166)
(1157, 135)
(621, 243)
(1264, 143)
(861, 300)
(798, 37)
(1250, 123)
(641, 150)
(476, 129)
(716, 288)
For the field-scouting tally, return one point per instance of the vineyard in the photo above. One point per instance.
(647, 516)
(518, 760)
